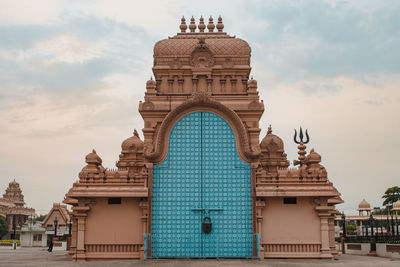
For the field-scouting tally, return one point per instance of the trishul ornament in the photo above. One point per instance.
(301, 146)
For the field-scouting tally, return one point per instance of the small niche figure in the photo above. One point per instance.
(50, 246)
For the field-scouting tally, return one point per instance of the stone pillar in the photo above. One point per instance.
(80, 240)
(209, 84)
(325, 249)
(74, 231)
(223, 82)
(331, 224)
(143, 204)
(233, 83)
(325, 213)
(194, 80)
(180, 84)
(170, 85)
(260, 204)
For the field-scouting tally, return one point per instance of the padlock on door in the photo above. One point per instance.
(206, 225)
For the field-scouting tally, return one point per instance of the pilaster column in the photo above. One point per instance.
(209, 84)
(194, 80)
(331, 224)
(170, 85)
(80, 240)
(260, 204)
(180, 85)
(143, 204)
(233, 83)
(222, 82)
(324, 213)
(74, 230)
(81, 212)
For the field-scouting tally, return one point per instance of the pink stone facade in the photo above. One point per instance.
(203, 69)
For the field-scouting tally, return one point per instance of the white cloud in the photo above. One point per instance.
(67, 48)
(30, 12)
(154, 16)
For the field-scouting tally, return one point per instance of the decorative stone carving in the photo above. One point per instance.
(201, 56)
(311, 167)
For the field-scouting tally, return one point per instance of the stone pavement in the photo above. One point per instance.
(40, 257)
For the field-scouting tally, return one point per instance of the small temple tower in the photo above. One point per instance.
(200, 184)
(12, 207)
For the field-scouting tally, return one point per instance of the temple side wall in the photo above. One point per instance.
(290, 222)
(114, 224)
(290, 230)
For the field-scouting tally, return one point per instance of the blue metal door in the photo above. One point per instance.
(202, 176)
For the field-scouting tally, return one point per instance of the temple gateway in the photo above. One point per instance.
(200, 184)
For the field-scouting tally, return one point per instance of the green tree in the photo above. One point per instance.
(40, 218)
(3, 227)
(391, 195)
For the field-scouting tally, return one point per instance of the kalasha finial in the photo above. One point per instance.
(210, 25)
(192, 25)
(201, 26)
(135, 133)
(269, 129)
(301, 146)
(220, 25)
(183, 25)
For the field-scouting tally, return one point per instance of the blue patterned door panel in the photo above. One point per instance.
(202, 176)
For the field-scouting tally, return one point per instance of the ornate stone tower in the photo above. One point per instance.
(199, 68)
(14, 194)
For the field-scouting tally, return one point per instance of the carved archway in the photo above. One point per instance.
(201, 102)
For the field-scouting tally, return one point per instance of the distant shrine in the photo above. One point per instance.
(201, 184)
(13, 209)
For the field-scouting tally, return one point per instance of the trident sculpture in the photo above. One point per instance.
(301, 146)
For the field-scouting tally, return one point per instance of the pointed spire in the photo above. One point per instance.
(220, 25)
(210, 25)
(201, 26)
(183, 25)
(135, 133)
(192, 25)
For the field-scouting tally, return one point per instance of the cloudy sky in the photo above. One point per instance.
(72, 74)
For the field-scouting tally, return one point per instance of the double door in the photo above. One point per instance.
(202, 177)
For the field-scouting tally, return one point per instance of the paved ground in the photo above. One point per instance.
(40, 257)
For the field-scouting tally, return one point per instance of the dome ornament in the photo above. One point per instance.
(183, 25)
(220, 25)
(192, 25)
(201, 25)
(210, 25)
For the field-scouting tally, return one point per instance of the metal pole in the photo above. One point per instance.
(344, 225)
(14, 233)
(391, 215)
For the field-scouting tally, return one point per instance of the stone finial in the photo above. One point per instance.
(269, 129)
(135, 133)
(210, 25)
(220, 25)
(192, 25)
(201, 26)
(183, 25)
